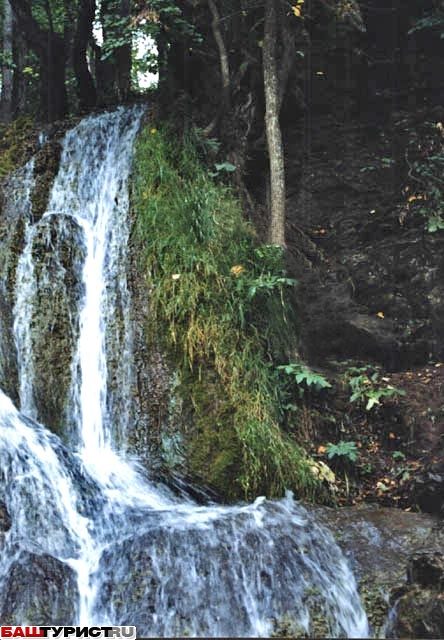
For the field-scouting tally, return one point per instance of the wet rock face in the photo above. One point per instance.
(45, 170)
(420, 614)
(58, 253)
(420, 608)
(5, 519)
(39, 590)
(16, 210)
(426, 569)
(428, 489)
(381, 545)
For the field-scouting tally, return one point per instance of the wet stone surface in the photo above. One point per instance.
(39, 590)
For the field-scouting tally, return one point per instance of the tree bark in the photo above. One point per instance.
(86, 89)
(6, 102)
(19, 92)
(273, 129)
(50, 49)
(223, 56)
(123, 58)
(118, 63)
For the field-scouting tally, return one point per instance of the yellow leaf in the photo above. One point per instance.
(237, 270)
(297, 10)
(380, 314)
(153, 131)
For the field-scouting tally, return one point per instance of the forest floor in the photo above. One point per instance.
(347, 198)
(398, 442)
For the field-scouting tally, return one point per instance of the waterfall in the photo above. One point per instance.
(90, 539)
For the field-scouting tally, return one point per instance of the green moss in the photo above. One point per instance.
(214, 453)
(45, 170)
(373, 590)
(17, 144)
(217, 303)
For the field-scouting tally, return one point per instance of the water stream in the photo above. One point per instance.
(91, 540)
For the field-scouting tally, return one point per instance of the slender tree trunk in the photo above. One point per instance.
(223, 56)
(6, 102)
(273, 129)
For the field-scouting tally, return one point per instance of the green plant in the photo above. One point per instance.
(366, 388)
(424, 192)
(343, 449)
(381, 163)
(432, 20)
(304, 376)
(17, 144)
(217, 302)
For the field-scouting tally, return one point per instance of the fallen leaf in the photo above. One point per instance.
(392, 436)
(237, 270)
(380, 314)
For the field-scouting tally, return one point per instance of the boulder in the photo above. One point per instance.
(39, 590)
(428, 488)
(419, 605)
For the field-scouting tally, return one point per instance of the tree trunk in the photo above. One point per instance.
(53, 98)
(50, 49)
(6, 103)
(118, 63)
(19, 85)
(86, 89)
(223, 56)
(123, 58)
(273, 129)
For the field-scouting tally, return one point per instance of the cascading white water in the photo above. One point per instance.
(132, 552)
(24, 288)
